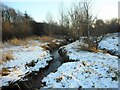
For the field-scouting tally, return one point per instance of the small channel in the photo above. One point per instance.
(57, 61)
(54, 64)
(35, 79)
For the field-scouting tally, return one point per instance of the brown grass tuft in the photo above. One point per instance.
(1, 45)
(45, 47)
(46, 38)
(91, 49)
(52, 45)
(5, 71)
(7, 56)
(16, 41)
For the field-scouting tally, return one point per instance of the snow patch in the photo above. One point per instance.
(110, 43)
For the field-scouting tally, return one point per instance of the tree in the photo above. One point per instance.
(63, 21)
(15, 23)
(113, 25)
(76, 19)
(100, 27)
(50, 22)
(81, 19)
(86, 7)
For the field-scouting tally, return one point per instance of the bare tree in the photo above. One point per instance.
(75, 16)
(14, 24)
(50, 22)
(87, 6)
(62, 17)
(79, 19)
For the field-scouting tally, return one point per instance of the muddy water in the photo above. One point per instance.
(34, 80)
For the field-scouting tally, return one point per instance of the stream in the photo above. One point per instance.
(34, 80)
(57, 62)
(54, 64)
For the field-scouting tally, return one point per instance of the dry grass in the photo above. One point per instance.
(32, 38)
(25, 41)
(34, 44)
(104, 51)
(50, 46)
(45, 47)
(7, 56)
(31, 64)
(5, 71)
(94, 49)
(1, 45)
(53, 45)
(46, 38)
(16, 41)
(91, 49)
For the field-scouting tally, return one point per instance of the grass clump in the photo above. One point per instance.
(5, 71)
(7, 56)
(16, 41)
(46, 38)
(31, 64)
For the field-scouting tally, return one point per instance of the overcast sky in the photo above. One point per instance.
(38, 9)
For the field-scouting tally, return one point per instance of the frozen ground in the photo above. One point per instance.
(88, 69)
(26, 59)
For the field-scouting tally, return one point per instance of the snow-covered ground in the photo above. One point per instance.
(88, 69)
(110, 43)
(92, 70)
(25, 60)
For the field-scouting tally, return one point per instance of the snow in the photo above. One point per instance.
(23, 56)
(96, 71)
(110, 42)
(88, 69)
(58, 41)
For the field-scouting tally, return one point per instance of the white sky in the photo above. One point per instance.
(38, 9)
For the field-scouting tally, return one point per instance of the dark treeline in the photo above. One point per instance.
(77, 22)
(15, 23)
(20, 25)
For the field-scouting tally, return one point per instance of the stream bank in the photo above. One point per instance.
(33, 80)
